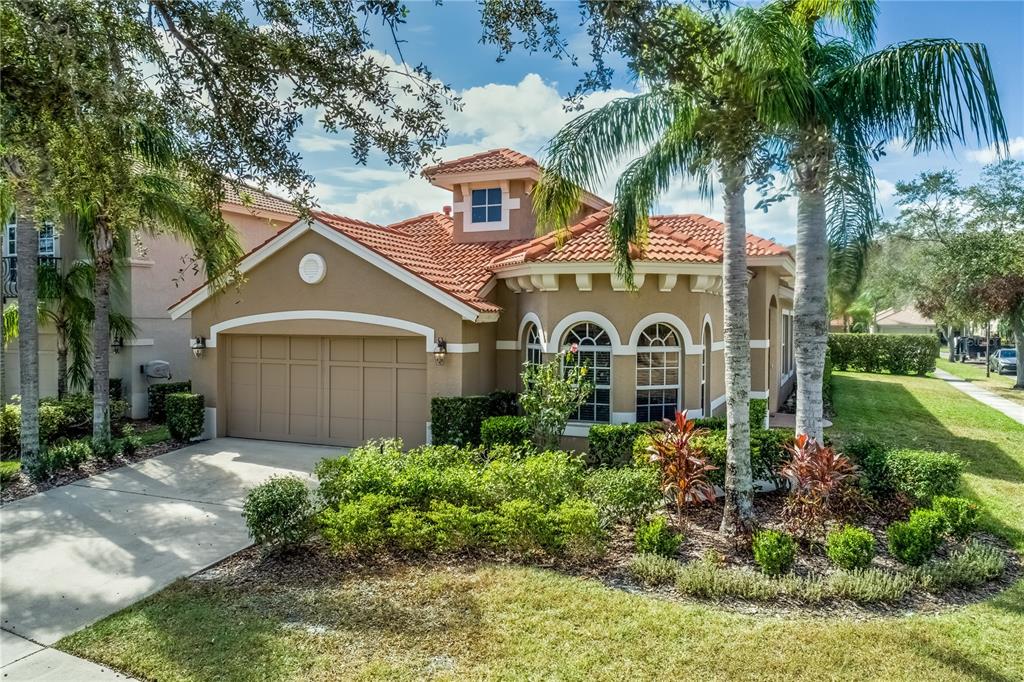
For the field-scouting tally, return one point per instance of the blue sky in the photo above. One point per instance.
(518, 103)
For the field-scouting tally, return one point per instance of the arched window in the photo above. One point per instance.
(594, 350)
(657, 373)
(534, 348)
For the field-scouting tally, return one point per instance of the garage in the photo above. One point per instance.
(336, 390)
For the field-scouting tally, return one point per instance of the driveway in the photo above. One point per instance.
(75, 554)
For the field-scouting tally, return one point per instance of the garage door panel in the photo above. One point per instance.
(304, 348)
(304, 400)
(343, 349)
(274, 347)
(410, 351)
(378, 349)
(244, 346)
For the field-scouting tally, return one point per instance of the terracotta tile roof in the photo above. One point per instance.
(257, 199)
(671, 239)
(493, 159)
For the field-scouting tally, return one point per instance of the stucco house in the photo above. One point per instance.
(344, 330)
(157, 274)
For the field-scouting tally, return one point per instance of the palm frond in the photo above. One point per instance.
(10, 323)
(857, 17)
(852, 218)
(930, 92)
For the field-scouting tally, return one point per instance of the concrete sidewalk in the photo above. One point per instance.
(1011, 409)
(74, 554)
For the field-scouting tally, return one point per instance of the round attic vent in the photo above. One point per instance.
(312, 268)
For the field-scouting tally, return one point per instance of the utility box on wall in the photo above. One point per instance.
(156, 369)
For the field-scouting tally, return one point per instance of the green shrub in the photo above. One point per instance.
(359, 525)
(869, 586)
(506, 430)
(758, 413)
(894, 353)
(105, 448)
(547, 478)
(10, 431)
(279, 512)
(626, 493)
(456, 420)
(774, 551)
(411, 530)
(850, 548)
(185, 415)
(974, 565)
(525, 527)
(653, 570)
(959, 515)
(59, 457)
(455, 526)
(69, 418)
(157, 398)
(611, 445)
(130, 442)
(826, 379)
(923, 474)
(580, 532)
(711, 423)
(915, 541)
(871, 457)
(657, 537)
(767, 452)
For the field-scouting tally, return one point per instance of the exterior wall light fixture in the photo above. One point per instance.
(440, 351)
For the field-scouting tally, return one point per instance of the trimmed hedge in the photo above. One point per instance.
(185, 415)
(457, 420)
(767, 453)
(70, 417)
(504, 430)
(923, 474)
(158, 395)
(893, 353)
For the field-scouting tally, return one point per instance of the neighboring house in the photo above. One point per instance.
(344, 330)
(159, 270)
(903, 321)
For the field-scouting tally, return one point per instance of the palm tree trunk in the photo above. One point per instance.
(950, 342)
(810, 319)
(27, 249)
(104, 264)
(738, 516)
(62, 360)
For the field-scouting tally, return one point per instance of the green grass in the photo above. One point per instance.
(9, 470)
(156, 434)
(499, 622)
(1000, 384)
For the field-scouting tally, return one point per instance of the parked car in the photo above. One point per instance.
(1004, 360)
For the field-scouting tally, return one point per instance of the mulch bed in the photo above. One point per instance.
(315, 566)
(23, 486)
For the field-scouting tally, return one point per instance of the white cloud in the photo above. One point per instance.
(990, 154)
(314, 142)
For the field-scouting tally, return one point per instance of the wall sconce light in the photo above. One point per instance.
(440, 351)
(198, 346)
(117, 344)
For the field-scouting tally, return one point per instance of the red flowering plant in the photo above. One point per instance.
(684, 467)
(822, 485)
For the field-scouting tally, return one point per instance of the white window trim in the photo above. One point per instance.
(465, 207)
(572, 319)
(677, 387)
(611, 370)
(665, 318)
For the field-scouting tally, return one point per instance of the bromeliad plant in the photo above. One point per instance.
(684, 468)
(552, 392)
(822, 485)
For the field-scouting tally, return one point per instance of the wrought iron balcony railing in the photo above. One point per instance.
(9, 273)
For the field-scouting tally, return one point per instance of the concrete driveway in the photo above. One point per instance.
(75, 554)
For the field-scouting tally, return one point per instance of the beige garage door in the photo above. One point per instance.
(338, 390)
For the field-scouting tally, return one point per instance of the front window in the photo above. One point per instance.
(486, 205)
(787, 344)
(657, 373)
(594, 350)
(47, 238)
(534, 348)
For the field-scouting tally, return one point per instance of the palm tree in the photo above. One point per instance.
(707, 124)
(143, 188)
(66, 303)
(929, 93)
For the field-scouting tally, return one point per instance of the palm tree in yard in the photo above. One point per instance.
(928, 93)
(702, 120)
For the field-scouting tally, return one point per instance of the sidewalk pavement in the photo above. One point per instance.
(1011, 409)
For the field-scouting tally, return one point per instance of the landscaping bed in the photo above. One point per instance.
(154, 441)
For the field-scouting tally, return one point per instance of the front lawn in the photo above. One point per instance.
(506, 622)
(1000, 384)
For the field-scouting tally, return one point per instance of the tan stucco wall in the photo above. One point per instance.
(351, 284)
(520, 220)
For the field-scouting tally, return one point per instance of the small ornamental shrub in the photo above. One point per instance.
(768, 452)
(105, 448)
(157, 398)
(68, 418)
(546, 478)
(279, 513)
(130, 442)
(684, 468)
(822, 485)
(611, 445)
(578, 525)
(758, 413)
(411, 530)
(774, 551)
(552, 392)
(915, 541)
(457, 420)
(185, 415)
(629, 493)
(506, 430)
(959, 515)
(850, 548)
(359, 525)
(653, 570)
(974, 565)
(525, 527)
(455, 526)
(871, 458)
(59, 457)
(657, 537)
(869, 586)
(923, 474)
(10, 431)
